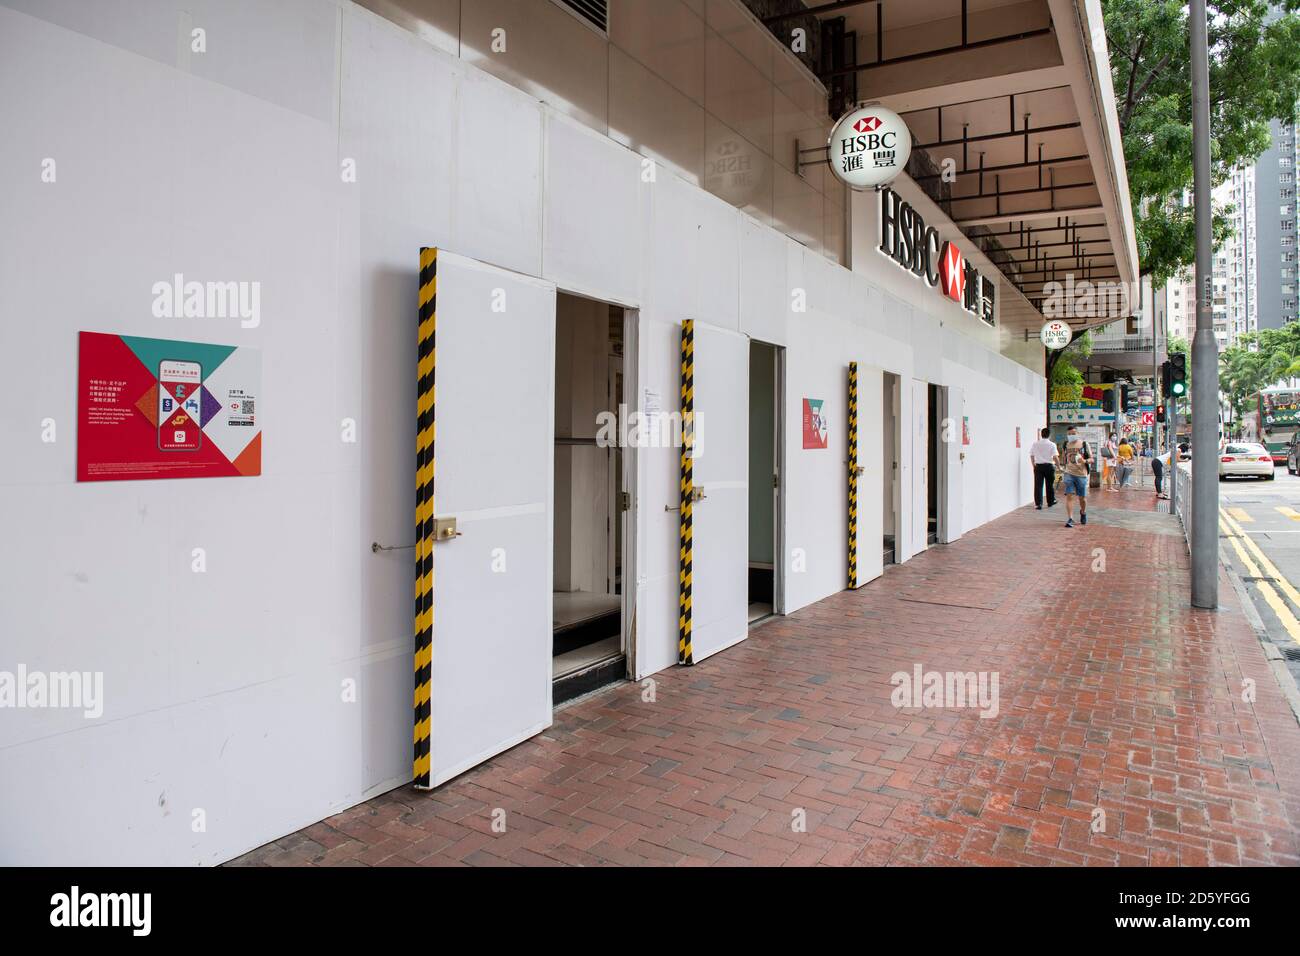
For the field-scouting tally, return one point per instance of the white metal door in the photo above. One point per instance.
(919, 518)
(720, 532)
(870, 452)
(896, 466)
(494, 454)
(954, 461)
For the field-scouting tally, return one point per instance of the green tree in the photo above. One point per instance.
(1258, 360)
(1254, 77)
(1064, 378)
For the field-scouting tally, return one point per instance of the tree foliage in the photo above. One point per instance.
(1064, 378)
(1254, 77)
(1258, 360)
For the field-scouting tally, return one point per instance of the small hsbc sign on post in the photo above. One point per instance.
(1055, 334)
(869, 147)
(908, 240)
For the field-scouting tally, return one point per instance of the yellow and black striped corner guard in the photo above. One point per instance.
(424, 461)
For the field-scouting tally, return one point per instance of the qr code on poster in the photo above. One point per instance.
(246, 406)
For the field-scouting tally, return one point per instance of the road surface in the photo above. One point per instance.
(1260, 524)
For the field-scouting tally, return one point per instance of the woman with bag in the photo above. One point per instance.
(1124, 458)
(1108, 462)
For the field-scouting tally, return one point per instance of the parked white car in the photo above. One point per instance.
(1245, 459)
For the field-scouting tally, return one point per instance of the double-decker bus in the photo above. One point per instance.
(1279, 417)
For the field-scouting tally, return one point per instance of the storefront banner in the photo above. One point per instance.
(1088, 409)
(157, 408)
(815, 432)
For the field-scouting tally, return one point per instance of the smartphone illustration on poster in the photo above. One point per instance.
(179, 405)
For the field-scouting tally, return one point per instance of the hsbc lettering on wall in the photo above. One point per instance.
(908, 240)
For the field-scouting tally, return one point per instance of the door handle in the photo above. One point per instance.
(697, 494)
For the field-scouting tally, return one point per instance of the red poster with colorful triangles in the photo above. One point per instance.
(158, 408)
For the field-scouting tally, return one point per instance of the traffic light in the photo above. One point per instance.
(1164, 378)
(1160, 414)
(1178, 374)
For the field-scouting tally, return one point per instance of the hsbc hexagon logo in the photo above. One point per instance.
(952, 273)
(868, 124)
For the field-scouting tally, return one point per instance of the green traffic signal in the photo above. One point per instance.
(1178, 388)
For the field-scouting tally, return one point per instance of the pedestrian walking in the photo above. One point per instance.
(1108, 462)
(1125, 458)
(1074, 440)
(1042, 458)
(1075, 486)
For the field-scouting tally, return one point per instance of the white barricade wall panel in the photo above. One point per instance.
(234, 705)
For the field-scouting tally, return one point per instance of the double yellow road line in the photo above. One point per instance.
(1263, 570)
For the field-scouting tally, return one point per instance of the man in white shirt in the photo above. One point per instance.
(1042, 456)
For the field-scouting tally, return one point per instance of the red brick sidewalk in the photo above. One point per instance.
(1113, 696)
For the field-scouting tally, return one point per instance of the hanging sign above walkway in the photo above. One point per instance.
(1055, 334)
(869, 147)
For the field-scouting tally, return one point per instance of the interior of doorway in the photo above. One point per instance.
(890, 457)
(588, 628)
(764, 480)
(932, 471)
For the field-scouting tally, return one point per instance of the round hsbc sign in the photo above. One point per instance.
(1055, 334)
(869, 147)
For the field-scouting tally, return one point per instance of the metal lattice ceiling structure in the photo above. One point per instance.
(1011, 102)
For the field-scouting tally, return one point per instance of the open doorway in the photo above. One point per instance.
(588, 627)
(889, 471)
(764, 480)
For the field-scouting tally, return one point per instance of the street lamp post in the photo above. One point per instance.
(1205, 352)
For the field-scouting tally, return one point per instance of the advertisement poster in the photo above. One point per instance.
(1017, 436)
(1089, 409)
(157, 408)
(965, 429)
(815, 432)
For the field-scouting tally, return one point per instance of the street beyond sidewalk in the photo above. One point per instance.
(1125, 731)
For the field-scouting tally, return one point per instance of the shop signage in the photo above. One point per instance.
(869, 147)
(158, 408)
(1089, 408)
(908, 240)
(1055, 334)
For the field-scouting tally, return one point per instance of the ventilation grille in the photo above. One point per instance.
(592, 12)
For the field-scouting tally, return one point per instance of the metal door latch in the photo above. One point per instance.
(444, 529)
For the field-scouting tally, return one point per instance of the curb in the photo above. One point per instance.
(1276, 662)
